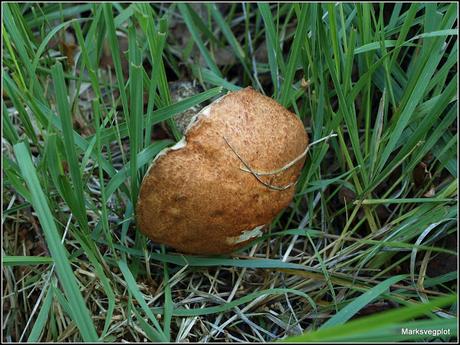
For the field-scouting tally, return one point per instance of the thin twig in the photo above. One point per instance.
(291, 163)
(256, 175)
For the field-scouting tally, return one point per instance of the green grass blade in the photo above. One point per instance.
(185, 11)
(357, 304)
(10, 260)
(44, 44)
(286, 87)
(42, 318)
(115, 49)
(231, 39)
(163, 113)
(56, 248)
(371, 323)
(226, 306)
(144, 157)
(69, 144)
(151, 332)
(135, 122)
(133, 288)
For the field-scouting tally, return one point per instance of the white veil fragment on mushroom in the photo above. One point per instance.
(206, 112)
(177, 146)
(246, 235)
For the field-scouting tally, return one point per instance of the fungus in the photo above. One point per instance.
(233, 171)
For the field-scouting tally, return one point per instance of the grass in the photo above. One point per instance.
(372, 226)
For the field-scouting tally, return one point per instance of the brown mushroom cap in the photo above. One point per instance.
(197, 197)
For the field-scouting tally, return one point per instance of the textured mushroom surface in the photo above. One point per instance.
(197, 197)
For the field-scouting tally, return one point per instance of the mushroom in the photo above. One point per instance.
(233, 171)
